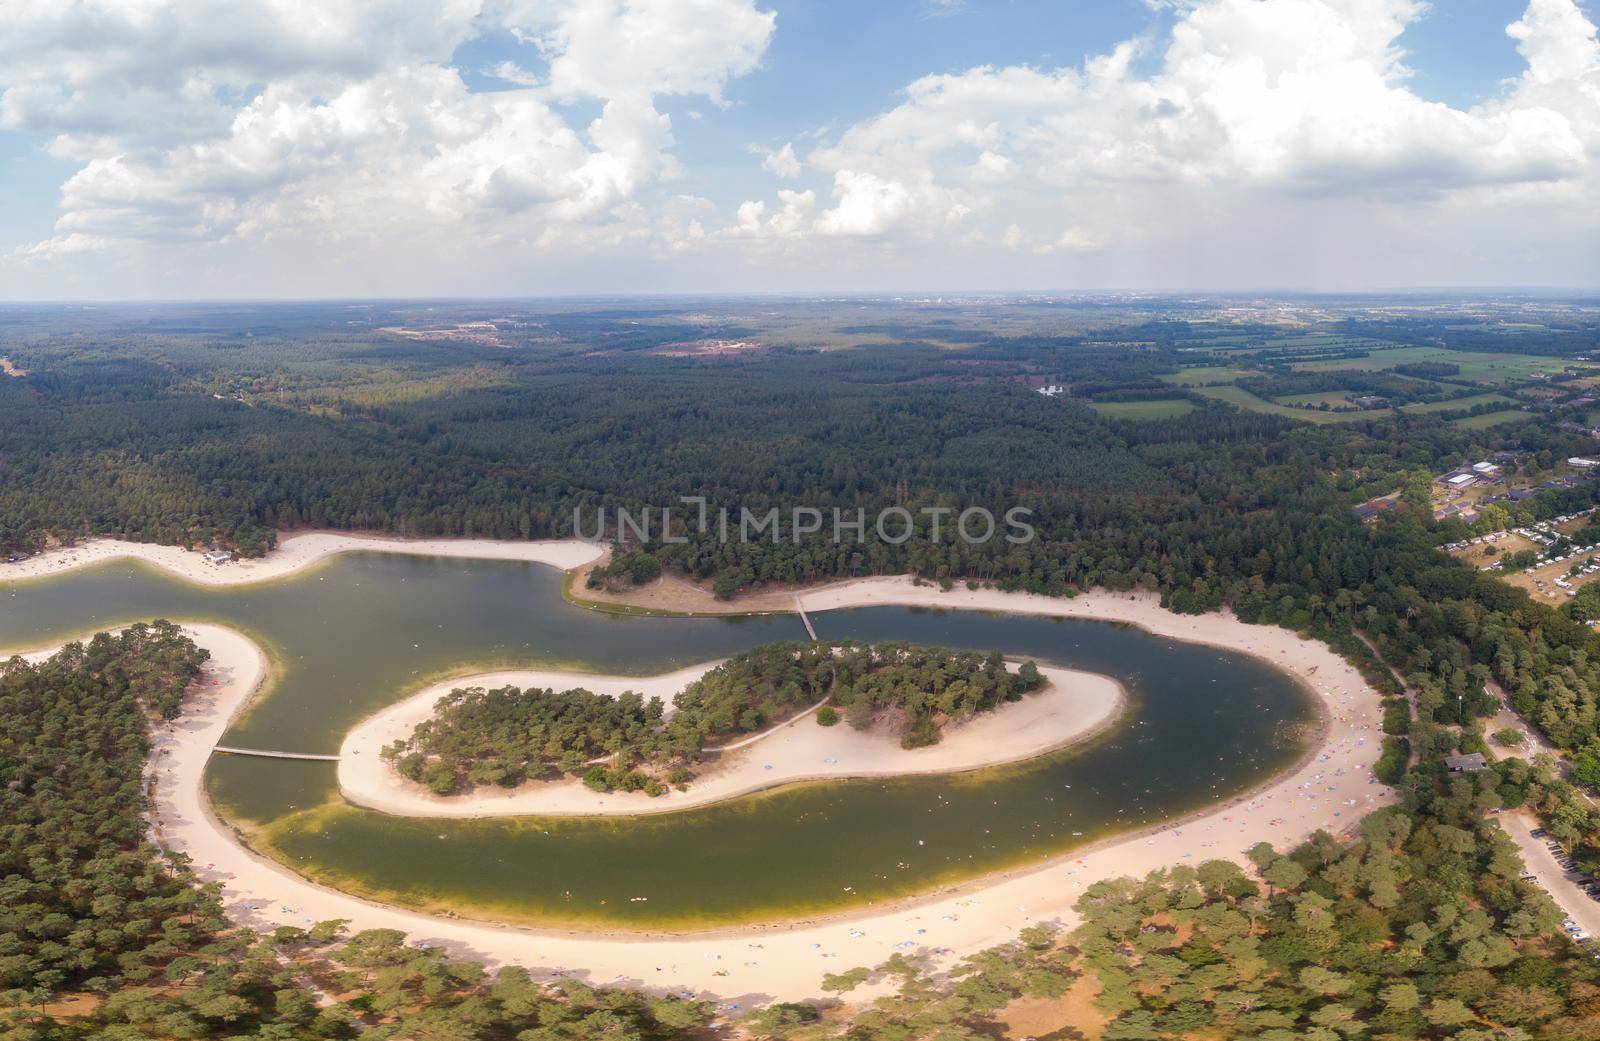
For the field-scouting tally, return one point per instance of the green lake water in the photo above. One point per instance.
(364, 630)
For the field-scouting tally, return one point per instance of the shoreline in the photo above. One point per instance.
(1328, 787)
(293, 554)
(1075, 707)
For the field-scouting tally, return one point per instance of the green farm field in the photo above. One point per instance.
(1168, 408)
(1246, 400)
(1486, 367)
(1490, 419)
(1332, 398)
(1199, 374)
(1457, 403)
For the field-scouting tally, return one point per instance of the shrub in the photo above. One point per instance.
(1392, 765)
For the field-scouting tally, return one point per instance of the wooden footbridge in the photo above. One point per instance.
(274, 755)
(805, 618)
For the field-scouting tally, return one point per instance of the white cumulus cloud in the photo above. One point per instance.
(1255, 119)
(1255, 142)
(783, 162)
(194, 122)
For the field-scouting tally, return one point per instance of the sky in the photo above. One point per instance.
(187, 149)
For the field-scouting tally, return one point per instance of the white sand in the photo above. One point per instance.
(1074, 705)
(1330, 790)
(294, 553)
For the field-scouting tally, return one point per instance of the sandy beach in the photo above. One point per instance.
(293, 553)
(1073, 706)
(1331, 788)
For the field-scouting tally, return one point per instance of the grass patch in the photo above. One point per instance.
(1195, 375)
(1490, 419)
(1447, 406)
(1486, 367)
(1331, 397)
(1246, 400)
(1167, 408)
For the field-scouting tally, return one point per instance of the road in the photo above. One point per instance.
(1562, 887)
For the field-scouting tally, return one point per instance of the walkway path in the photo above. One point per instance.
(798, 606)
(275, 755)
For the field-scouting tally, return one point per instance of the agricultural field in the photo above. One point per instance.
(1168, 408)
(1234, 395)
(1196, 375)
(1333, 398)
(1486, 367)
(1381, 358)
(1490, 419)
(1458, 403)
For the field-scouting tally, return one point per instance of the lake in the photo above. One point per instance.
(366, 629)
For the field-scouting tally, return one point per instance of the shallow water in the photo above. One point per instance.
(367, 629)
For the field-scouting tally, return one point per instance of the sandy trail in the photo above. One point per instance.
(1330, 789)
(1073, 706)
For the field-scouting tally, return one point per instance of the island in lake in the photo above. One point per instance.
(509, 736)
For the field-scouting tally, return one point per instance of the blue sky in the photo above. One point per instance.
(291, 152)
(834, 62)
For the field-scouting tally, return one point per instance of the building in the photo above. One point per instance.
(1581, 463)
(1466, 764)
(1459, 510)
(1052, 390)
(1485, 469)
(1519, 494)
(1368, 511)
(218, 556)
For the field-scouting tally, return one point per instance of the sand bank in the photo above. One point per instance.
(1331, 788)
(1072, 706)
(294, 553)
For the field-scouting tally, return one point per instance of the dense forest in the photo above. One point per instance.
(508, 736)
(1417, 929)
(198, 425)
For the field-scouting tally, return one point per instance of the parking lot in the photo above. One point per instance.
(1550, 870)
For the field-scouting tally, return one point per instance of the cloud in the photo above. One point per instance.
(790, 221)
(621, 48)
(783, 162)
(1249, 142)
(864, 204)
(347, 120)
(1286, 110)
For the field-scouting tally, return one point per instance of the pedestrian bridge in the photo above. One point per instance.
(274, 755)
